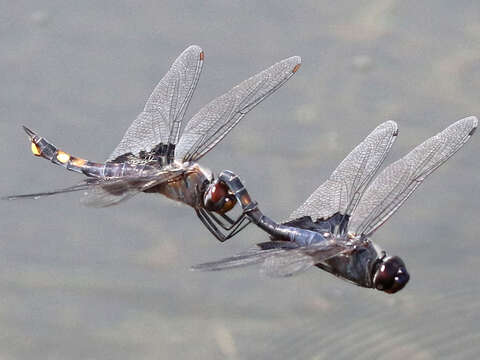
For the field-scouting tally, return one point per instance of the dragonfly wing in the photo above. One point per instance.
(342, 191)
(100, 192)
(250, 257)
(216, 119)
(110, 192)
(79, 187)
(398, 181)
(286, 264)
(290, 262)
(278, 258)
(160, 121)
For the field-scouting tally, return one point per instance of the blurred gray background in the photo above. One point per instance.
(80, 283)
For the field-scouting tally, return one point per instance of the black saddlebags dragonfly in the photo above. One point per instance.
(156, 156)
(332, 229)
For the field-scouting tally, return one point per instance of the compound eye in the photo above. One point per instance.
(229, 203)
(215, 196)
(391, 275)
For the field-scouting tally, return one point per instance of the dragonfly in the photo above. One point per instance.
(333, 227)
(158, 155)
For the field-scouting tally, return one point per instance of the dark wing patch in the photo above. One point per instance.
(342, 191)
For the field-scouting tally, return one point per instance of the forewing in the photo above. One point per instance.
(278, 258)
(342, 191)
(399, 180)
(161, 119)
(215, 120)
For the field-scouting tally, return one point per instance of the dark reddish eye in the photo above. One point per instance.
(229, 203)
(218, 192)
(217, 198)
(391, 275)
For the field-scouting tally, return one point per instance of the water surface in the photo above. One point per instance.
(81, 283)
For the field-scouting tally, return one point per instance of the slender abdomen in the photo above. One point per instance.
(43, 148)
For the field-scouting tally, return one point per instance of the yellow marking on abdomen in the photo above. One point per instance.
(78, 162)
(35, 149)
(63, 157)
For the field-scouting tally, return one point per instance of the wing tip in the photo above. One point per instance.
(194, 47)
(473, 124)
(196, 51)
(18, 197)
(297, 60)
(292, 63)
(470, 124)
(394, 126)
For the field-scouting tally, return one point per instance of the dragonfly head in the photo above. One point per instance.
(218, 198)
(390, 274)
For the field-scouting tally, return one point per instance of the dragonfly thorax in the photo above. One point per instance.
(188, 187)
(354, 266)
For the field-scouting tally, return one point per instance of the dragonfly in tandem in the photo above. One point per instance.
(332, 228)
(157, 155)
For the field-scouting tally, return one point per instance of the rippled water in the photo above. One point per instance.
(81, 283)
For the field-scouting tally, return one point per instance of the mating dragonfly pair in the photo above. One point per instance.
(331, 230)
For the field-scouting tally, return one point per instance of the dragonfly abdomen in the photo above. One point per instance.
(43, 148)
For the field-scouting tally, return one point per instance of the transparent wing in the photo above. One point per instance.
(113, 191)
(254, 256)
(398, 181)
(278, 258)
(161, 119)
(286, 264)
(291, 262)
(33, 196)
(342, 191)
(107, 192)
(215, 120)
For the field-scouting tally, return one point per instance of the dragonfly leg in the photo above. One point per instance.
(228, 219)
(209, 220)
(229, 224)
(210, 225)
